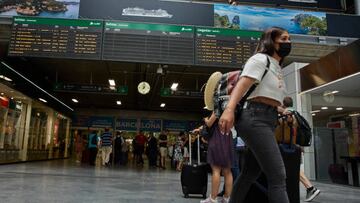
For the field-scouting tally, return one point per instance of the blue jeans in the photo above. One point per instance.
(256, 125)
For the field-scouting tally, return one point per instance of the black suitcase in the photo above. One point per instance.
(291, 155)
(194, 176)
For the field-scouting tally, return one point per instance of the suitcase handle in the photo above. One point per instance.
(198, 149)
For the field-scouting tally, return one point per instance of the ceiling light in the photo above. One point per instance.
(118, 102)
(12, 98)
(75, 100)
(327, 93)
(1, 77)
(112, 82)
(324, 108)
(354, 114)
(339, 108)
(315, 111)
(313, 114)
(2, 93)
(112, 87)
(162, 105)
(43, 100)
(38, 114)
(174, 86)
(7, 79)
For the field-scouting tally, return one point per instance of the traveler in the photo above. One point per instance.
(257, 119)
(220, 158)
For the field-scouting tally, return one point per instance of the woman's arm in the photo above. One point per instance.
(210, 121)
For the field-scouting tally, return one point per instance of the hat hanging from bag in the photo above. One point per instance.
(210, 87)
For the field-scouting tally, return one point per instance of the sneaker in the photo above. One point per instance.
(311, 194)
(209, 200)
(224, 199)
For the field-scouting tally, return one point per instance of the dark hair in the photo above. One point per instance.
(288, 102)
(267, 41)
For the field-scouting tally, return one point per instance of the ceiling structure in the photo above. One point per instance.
(47, 72)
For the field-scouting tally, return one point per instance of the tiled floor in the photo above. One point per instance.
(65, 181)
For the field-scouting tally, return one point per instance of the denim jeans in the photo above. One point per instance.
(256, 125)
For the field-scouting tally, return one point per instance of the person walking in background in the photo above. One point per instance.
(178, 151)
(256, 121)
(140, 142)
(78, 146)
(93, 144)
(118, 148)
(152, 150)
(106, 147)
(163, 145)
(311, 191)
(220, 158)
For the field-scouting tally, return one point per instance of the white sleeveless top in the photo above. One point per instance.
(272, 85)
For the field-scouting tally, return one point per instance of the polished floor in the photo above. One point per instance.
(66, 181)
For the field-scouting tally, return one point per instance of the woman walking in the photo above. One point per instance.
(256, 122)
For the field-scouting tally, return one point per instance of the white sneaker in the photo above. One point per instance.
(209, 200)
(311, 194)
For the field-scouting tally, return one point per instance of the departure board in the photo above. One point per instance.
(156, 43)
(224, 47)
(59, 38)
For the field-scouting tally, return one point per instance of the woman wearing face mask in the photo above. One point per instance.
(257, 120)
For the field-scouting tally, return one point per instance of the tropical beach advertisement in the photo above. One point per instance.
(43, 8)
(261, 18)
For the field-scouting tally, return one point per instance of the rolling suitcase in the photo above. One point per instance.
(194, 176)
(291, 155)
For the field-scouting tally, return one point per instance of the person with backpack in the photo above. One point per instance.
(311, 191)
(257, 117)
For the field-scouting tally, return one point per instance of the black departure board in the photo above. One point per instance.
(154, 43)
(56, 38)
(224, 47)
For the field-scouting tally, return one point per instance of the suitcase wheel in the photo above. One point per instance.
(186, 195)
(204, 196)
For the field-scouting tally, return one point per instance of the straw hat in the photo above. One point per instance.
(210, 89)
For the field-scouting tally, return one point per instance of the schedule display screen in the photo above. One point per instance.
(59, 38)
(157, 43)
(224, 47)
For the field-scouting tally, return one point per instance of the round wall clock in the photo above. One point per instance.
(143, 87)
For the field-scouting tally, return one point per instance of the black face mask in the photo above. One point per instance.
(284, 49)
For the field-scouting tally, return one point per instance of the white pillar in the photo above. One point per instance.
(357, 7)
(67, 138)
(25, 141)
(49, 133)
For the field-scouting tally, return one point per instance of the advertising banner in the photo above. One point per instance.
(41, 8)
(149, 125)
(175, 125)
(183, 13)
(101, 121)
(261, 18)
(126, 124)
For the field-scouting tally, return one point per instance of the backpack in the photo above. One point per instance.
(94, 140)
(226, 85)
(303, 130)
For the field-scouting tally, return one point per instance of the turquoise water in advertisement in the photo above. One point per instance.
(261, 18)
(72, 12)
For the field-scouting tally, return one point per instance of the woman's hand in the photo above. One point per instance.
(226, 121)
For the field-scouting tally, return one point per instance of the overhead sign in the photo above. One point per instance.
(101, 121)
(167, 92)
(122, 90)
(56, 38)
(140, 42)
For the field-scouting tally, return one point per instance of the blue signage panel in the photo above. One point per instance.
(101, 121)
(80, 121)
(126, 124)
(150, 125)
(174, 125)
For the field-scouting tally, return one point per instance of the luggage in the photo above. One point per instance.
(194, 176)
(291, 155)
